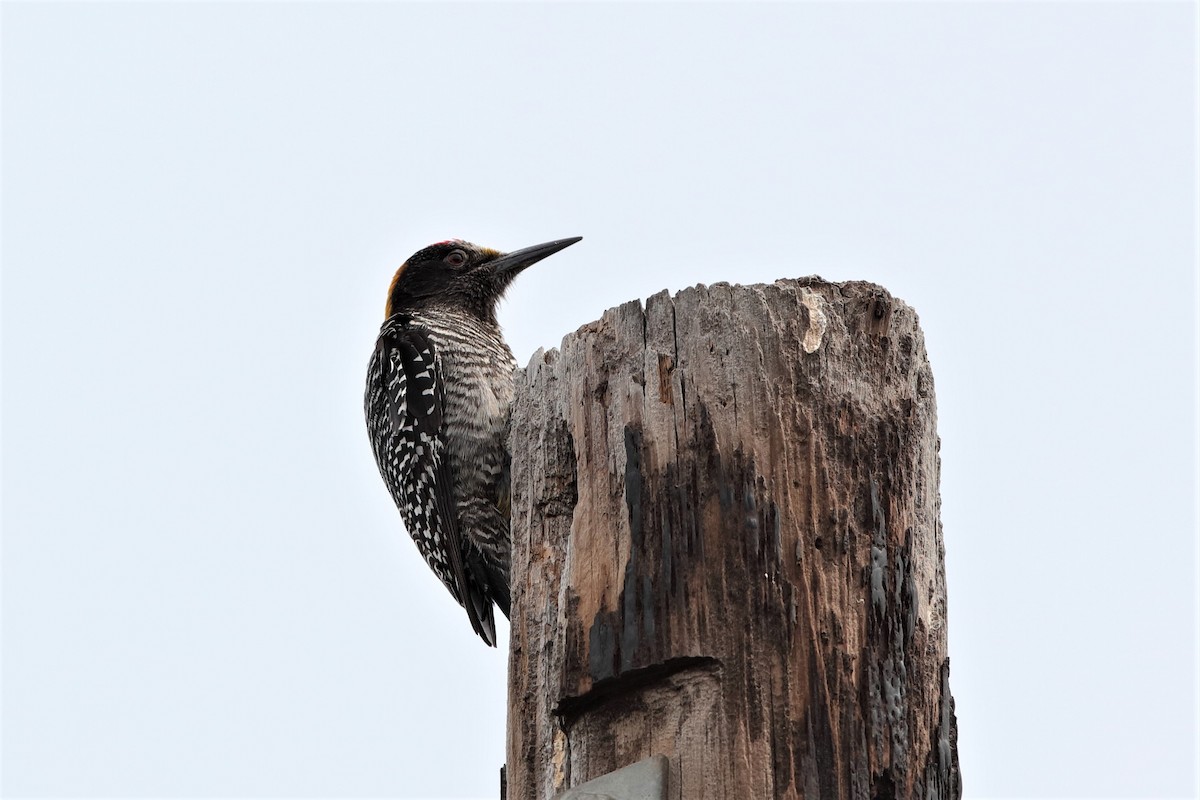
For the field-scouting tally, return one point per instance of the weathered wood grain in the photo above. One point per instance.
(727, 550)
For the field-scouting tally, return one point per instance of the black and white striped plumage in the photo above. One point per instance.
(439, 386)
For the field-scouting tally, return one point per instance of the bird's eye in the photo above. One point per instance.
(456, 258)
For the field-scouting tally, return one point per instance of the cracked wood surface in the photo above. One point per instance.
(727, 550)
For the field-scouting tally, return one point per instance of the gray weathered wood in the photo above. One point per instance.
(727, 550)
(645, 780)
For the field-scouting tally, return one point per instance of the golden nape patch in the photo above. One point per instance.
(387, 309)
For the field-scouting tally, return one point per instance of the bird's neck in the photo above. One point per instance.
(484, 314)
(454, 318)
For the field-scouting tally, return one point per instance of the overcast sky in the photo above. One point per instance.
(206, 588)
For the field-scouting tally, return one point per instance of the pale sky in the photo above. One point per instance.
(206, 588)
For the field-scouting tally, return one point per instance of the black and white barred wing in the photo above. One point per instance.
(411, 454)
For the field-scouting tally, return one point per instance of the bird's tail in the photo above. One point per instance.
(498, 585)
(481, 604)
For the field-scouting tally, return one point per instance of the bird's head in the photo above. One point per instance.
(461, 275)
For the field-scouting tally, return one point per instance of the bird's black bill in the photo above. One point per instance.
(528, 256)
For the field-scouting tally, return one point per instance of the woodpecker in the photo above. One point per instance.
(439, 387)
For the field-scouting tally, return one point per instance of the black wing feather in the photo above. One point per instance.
(415, 399)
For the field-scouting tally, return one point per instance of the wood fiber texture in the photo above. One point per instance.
(727, 550)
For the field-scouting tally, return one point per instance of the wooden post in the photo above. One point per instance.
(727, 550)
